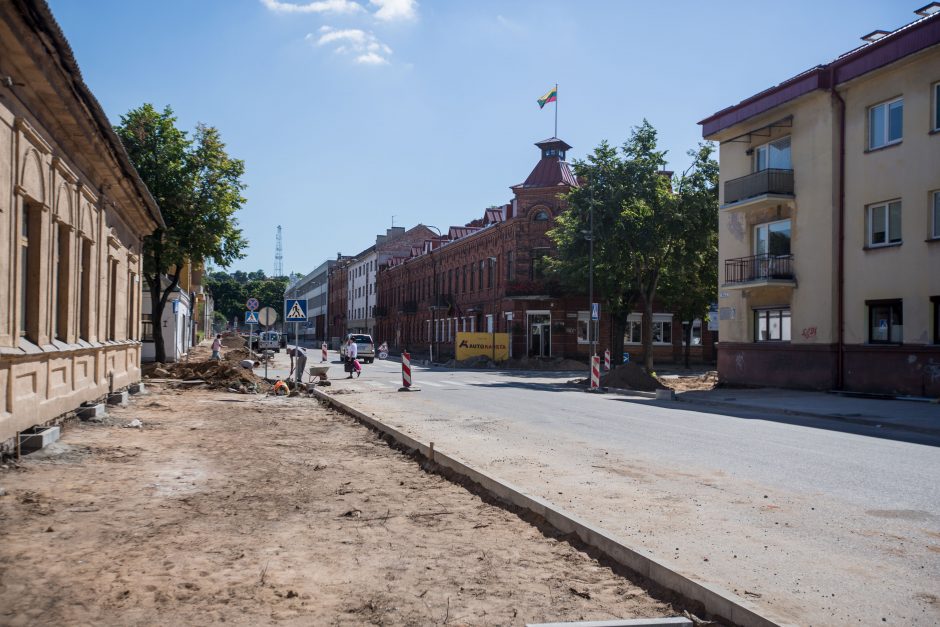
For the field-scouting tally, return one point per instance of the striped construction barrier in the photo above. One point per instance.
(405, 370)
(607, 360)
(323, 352)
(595, 372)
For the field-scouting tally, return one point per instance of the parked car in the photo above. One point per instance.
(267, 340)
(364, 344)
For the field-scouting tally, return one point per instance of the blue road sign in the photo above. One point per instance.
(296, 310)
(251, 317)
(595, 311)
(252, 304)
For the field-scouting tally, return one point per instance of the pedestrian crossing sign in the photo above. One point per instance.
(296, 310)
(251, 317)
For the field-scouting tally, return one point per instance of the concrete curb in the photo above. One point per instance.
(716, 601)
(858, 420)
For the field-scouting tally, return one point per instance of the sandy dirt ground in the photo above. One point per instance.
(260, 510)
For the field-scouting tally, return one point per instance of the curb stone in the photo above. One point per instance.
(715, 600)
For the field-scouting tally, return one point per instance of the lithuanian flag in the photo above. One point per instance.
(551, 96)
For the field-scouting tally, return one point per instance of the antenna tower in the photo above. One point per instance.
(279, 255)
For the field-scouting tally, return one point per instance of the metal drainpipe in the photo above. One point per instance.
(840, 307)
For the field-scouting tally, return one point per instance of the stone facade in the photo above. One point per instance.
(73, 213)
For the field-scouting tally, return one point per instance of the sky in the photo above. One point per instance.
(352, 114)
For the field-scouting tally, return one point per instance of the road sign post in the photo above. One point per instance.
(296, 311)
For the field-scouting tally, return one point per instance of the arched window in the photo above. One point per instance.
(540, 216)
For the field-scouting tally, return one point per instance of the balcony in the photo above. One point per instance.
(759, 270)
(767, 187)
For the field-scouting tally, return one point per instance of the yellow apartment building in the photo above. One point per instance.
(829, 232)
(73, 213)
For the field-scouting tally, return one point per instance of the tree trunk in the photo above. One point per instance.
(156, 318)
(647, 333)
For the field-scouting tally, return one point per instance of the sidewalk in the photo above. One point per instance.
(914, 416)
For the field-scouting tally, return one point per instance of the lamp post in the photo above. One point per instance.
(433, 297)
(492, 261)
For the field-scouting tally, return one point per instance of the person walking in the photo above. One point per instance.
(352, 351)
(217, 347)
(298, 357)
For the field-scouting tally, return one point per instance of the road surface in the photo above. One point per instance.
(795, 514)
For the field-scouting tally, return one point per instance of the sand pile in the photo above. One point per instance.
(231, 340)
(627, 377)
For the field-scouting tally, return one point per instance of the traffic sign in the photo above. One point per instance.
(267, 316)
(252, 304)
(296, 310)
(595, 311)
(251, 317)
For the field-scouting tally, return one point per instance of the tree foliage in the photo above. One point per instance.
(198, 188)
(230, 292)
(646, 224)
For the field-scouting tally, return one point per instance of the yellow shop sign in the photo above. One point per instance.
(471, 344)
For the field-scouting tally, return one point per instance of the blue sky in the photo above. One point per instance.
(348, 112)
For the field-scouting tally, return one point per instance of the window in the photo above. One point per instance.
(936, 107)
(884, 224)
(885, 322)
(935, 205)
(775, 154)
(584, 327)
(936, 318)
(25, 310)
(662, 329)
(480, 276)
(509, 268)
(537, 269)
(541, 216)
(490, 270)
(84, 289)
(489, 323)
(146, 328)
(772, 325)
(885, 122)
(772, 238)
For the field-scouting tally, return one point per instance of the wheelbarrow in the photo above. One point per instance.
(318, 375)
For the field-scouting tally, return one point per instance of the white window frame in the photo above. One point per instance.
(935, 214)
(885, 141)
(766, 226)
(489, 323)
(765, 149)
(869, 212)
(637, 319)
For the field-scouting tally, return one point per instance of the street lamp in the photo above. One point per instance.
(492, 261)
(434, 297)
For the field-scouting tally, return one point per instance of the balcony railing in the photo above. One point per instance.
(770, 181)
(759, 268)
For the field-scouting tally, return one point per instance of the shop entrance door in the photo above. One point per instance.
(540, 335)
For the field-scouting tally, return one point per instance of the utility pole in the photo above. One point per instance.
(590, 239)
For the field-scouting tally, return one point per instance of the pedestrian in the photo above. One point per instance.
(217, 347)
(299, 360)
(352, 351)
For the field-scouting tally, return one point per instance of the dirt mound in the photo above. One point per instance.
(237, 354)
(627, 377)
(631, 377)
(233, 341)
(217, 374)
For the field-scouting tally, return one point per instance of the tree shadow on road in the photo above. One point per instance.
(841, 424)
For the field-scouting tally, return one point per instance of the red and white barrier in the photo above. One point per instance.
(607, 360)
(323, 352)
(595, 372)
(405, 370)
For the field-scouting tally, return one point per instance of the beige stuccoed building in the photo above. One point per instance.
(73, 213)
(830, 222)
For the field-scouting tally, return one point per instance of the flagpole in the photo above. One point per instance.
(556, 110)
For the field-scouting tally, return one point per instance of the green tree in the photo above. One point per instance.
(603, 186)
(228, 295)
(198, 188)
(690, 283)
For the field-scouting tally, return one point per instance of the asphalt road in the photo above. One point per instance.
(821, 525)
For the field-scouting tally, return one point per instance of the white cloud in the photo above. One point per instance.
(363, 45)
(393, 10)
(317, 6)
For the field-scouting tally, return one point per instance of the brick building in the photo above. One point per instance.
(485, 276)
(337, 295)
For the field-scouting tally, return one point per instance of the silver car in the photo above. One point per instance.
(364, 345)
